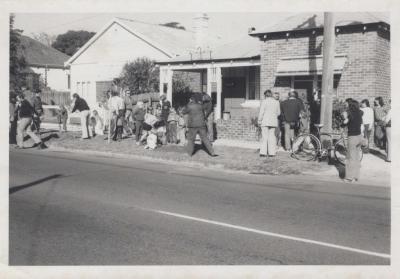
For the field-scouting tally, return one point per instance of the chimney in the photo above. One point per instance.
(200, 31)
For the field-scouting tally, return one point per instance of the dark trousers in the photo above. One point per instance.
(13, 132)
(191, 136)
(138, 129)
(172, 137)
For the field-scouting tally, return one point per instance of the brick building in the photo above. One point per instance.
(291, 55)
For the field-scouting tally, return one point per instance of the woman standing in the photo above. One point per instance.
(388, 123)
(353, 120)
(380, 113)
(268, 121)
(368, 122)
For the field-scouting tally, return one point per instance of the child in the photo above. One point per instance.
(62, 117)
(139, 116)
(181, 131)
(172, 126)
(98, 123)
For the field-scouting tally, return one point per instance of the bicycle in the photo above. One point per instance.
(308, 147)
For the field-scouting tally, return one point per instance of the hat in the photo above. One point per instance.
(163, 97)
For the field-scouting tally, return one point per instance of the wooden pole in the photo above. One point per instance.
(327, 72)
(109, 120)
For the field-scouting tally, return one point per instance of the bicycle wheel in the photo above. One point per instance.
(305, 147)
(341, 151)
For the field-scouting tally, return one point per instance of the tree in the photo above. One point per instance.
(17, 60)
(44, 38)
(140, 76)
(71, 41)
(173, 24)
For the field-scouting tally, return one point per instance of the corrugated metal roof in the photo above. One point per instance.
(174, 40)
(311, 20)
(36, 53)
(244, 47)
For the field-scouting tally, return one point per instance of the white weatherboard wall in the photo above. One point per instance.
(105, 58)
(57, 79)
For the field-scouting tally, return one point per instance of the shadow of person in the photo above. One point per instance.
(33, 183)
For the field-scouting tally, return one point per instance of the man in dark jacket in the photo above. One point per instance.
(81, 105)
(25, 113)
(37, 105)
(291, 109)
(196, 124)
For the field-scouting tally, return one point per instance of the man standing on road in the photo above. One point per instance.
(81, 105)
(291, 109)
(197, 124)
(25, 115)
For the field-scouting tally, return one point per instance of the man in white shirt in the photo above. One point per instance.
(117, 108)
(368, 121)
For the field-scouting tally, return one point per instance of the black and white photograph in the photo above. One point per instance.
(200, 138)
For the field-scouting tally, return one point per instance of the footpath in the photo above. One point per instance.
(238, 156)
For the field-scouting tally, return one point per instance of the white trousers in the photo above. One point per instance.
(268, 141)
(86, 131)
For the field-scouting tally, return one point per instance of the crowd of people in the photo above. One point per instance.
(25, 111)
(292, 116)
(153, 126)
(150, 126)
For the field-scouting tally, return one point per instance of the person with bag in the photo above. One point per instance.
(268, 121)
(291, 109)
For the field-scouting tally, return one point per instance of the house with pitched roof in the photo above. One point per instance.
(101, 59)
(44, 63)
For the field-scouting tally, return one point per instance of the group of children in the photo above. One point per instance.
(157, 131)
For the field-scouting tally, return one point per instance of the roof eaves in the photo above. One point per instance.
(259, 34)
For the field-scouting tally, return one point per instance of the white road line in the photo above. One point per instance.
(310, 241)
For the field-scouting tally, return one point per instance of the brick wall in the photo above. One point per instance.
(236, 128)
(366, 73)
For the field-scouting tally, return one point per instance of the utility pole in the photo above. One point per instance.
(327, 72)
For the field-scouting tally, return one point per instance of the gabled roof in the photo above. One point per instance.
(170, 41)
(38, 54)
(242, 48)
(303, 21)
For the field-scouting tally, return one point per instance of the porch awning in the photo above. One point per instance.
(296, 66)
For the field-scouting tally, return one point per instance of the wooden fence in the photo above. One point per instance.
(51, 97)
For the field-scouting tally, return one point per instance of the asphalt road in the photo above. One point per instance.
(72, 209)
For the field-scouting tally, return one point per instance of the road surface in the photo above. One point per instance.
(72, 209)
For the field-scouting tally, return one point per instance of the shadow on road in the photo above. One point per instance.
(30, 184)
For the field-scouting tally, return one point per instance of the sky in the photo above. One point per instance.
(230, 26)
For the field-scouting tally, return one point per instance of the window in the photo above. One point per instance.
(69, 81)
(254, 87)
